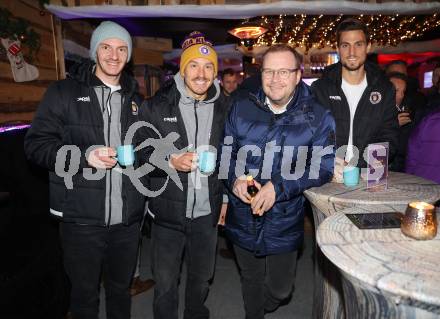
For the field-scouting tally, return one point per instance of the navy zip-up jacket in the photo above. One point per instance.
(255, 128)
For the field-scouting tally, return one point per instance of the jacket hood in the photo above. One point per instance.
(302, 91)
(212, 95)
(85, 73)
(334, 73)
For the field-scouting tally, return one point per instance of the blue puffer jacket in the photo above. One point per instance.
(251, 123)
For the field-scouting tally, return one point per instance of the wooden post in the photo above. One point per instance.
(155, 44)
(119, 2)
(86, 3)
(58, 48)
(138, 2)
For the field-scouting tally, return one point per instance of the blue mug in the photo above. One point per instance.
(351, 175)
(125, 155)
(207, 161)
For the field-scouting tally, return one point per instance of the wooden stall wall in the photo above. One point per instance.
(147, 52)
(19, 100)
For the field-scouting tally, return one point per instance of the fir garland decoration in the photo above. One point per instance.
(19, 29)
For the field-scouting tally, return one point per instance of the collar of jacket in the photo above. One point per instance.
(301, 92)
(84, 73)
(334, 73)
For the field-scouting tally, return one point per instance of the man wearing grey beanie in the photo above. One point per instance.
(91, 112)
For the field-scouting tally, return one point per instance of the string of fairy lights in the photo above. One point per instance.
(318, 31)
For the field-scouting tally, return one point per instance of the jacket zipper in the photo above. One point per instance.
(271, 124)
(255, 218)
(108, 141)
(361, 102)
(124, 220)
(195, 147)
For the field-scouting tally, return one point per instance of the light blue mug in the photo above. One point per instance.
(351, 175)
(125, 155)
(207, 161)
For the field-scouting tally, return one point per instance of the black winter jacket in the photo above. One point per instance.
(70, 114)
(375, 119)
(162, 111)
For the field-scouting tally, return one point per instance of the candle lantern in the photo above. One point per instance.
(419, 221)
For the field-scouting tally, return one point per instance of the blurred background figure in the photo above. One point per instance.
(400, 66)
(413, 98)
(229, 81)
(406, 125)
(424, 148)
(434, 95)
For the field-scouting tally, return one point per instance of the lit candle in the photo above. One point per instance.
(420, 221)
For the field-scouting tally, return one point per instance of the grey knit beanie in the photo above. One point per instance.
(107, 30)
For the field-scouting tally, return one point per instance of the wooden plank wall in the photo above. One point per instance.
(146, 50)
(18, 101)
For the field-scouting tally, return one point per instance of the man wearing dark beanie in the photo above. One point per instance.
(185, 218)
(100, 210)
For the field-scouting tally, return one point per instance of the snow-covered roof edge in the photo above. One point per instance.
(242, 11)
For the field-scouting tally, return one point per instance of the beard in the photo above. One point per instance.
(352, 68)
(199, 88)
(196, 88)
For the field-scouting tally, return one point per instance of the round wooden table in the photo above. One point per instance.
(330, 198)
(402, 189)
(384, 273)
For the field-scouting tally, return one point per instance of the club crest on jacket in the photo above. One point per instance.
(375, 97)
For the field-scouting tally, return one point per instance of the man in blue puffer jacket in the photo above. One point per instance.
(291, 140)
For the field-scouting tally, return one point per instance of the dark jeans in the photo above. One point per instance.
(90, 249)
(265, 281)
(198, 243)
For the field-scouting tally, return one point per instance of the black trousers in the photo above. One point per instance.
(88, 250)
(265, 281)
(198, 244)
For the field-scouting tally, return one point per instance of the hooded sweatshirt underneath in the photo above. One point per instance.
(111, 102)
(197, 117)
